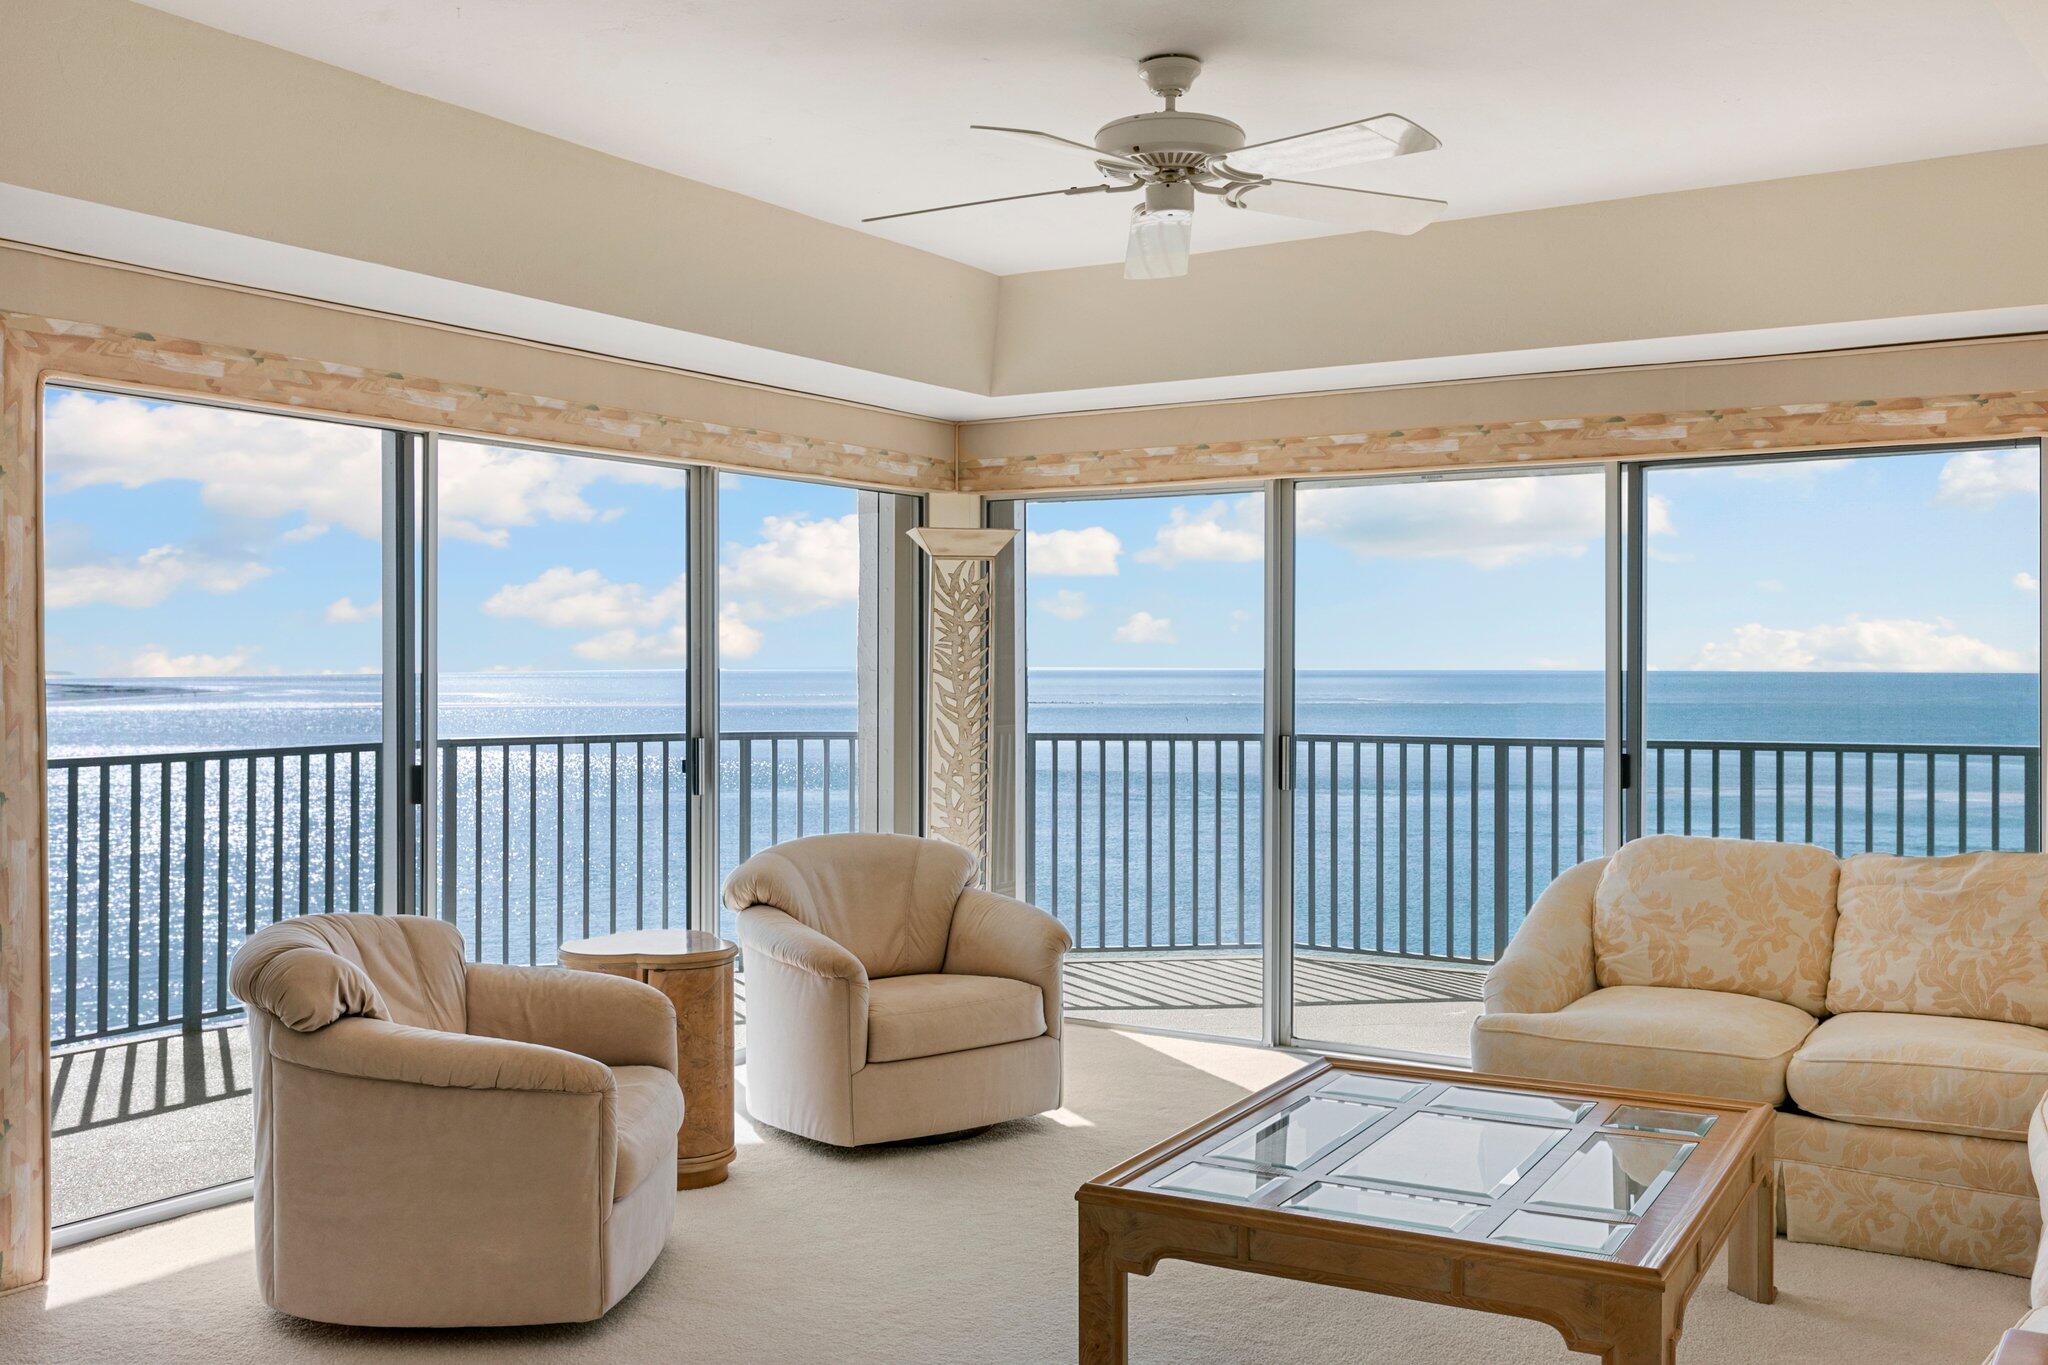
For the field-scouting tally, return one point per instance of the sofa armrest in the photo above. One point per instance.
(609, 1019)
(375, 1050)
(1550, 962)
(996, 935)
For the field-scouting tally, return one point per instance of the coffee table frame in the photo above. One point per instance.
(1627, 1308)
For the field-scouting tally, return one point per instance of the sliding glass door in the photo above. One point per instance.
(1449, 646)
(213, 648)
(1142, 772)
(561, 633)
(1844, 651)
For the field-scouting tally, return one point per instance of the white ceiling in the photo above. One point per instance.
(843, 108)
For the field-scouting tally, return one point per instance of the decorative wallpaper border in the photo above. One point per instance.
(1707, 431)
(263, 377)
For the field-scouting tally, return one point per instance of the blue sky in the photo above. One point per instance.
(194, 541)
(1923, 562)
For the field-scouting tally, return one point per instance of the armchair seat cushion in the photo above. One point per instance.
(1924, 1071)
(928, 1015)
(1732, 1047)
(649, 1114)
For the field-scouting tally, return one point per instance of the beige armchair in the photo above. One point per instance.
(444, 1144)
(888, 1000)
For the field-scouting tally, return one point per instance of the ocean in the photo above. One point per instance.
(1430, 845)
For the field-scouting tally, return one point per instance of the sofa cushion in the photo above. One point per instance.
(1710, 1043)
(1968, 1076)
(1738, 915)
(926, 1015)
(1964, 936)
(650, 1112)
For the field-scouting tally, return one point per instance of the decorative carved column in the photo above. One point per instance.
(956, 803)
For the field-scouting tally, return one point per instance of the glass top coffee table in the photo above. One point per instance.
(1592, 1209)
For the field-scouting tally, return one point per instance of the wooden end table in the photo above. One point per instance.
(694, 970)
(1594, 1210)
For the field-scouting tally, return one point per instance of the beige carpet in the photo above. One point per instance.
(965, 1252)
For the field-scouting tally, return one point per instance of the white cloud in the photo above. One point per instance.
(1490, 523)
(1228, 533)
(1982, 478)
(154, 661)
(147, 579)
(254, 465)
(570, 599)
(343, 611)
(1770, 585)
(1143, 628)
(2026, 582)
(1860, 645)
(1065, 605)
(799, 564)
(1090, 552)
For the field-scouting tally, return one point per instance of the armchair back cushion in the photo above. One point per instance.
(1965, 936)
(886, 898)
(309, 971)
(1736, 915)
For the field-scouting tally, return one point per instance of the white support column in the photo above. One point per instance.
(958, 679)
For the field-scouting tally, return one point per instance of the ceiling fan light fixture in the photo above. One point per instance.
(1161, 239)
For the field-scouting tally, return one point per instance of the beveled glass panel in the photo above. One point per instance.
(1299, 1132)
(1556, 1231)
(1394, 1207)
(1218, 1182)
(1453, 1153)
(1380, 1089)
(1513, 1104)
(1644, 1119)
(1615, 1173)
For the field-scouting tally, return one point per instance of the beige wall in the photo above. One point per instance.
(122, 105)
(1930, 237)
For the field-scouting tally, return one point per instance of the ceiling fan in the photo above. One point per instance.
(1173, 155)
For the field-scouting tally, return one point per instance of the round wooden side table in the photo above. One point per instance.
(694, 971)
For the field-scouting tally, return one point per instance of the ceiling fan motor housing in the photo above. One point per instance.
(1172, 134)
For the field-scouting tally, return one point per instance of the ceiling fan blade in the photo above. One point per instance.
(1342, 206)
(1159, 244)
(999, 199)
(1327, 149)
(1055, 140)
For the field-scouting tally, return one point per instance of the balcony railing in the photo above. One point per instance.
(161, 864)
(1433, 847)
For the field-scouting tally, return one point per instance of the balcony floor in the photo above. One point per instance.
(145, 1119)
(1339, 998)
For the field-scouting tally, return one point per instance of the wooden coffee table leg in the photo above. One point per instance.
(1751, 1242)
(1104, 1297)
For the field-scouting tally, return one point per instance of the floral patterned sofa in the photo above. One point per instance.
(1895, 1009)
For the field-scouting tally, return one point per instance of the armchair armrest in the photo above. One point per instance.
(376, 1050)
(807, 997)
(997, 935)
(1550, 962)
(789, 941)
(609, 1019)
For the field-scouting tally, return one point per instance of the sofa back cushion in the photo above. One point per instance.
(1737, 915)
(1965, 936)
